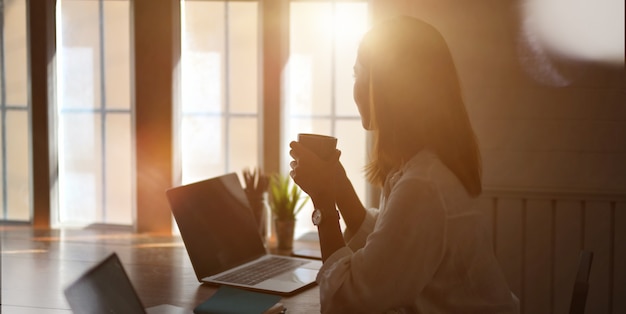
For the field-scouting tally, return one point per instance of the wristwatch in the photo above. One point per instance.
(318, 217)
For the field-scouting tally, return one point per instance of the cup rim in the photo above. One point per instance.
(316, 135)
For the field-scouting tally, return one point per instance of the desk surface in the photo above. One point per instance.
(38, 264)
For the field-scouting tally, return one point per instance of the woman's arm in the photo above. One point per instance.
(349, 204)
(329, 231)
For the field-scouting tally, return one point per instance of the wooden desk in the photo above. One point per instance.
(38, 264)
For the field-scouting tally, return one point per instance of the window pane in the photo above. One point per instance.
(80, 168)
(202, 56)
(117, 54)
(201, 82)
(219, 130)
(118, 169)
(18, 196)
(242, 57)
(15, 84)
(202, 144)
(243, 143)
(310, 65)
(15, 170)
(78, 50)
(94, 112)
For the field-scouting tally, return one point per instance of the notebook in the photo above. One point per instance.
(233, 300)
(106, 288)
(222, 240)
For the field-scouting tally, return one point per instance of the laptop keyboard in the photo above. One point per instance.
(260, 271)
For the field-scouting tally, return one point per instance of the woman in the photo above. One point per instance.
(425, 250)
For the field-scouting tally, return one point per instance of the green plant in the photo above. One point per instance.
(285, 198)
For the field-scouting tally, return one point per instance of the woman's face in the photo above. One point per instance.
(361, 94)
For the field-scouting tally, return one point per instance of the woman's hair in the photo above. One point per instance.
(415, 101)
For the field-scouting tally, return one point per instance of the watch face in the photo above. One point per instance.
(317, 217)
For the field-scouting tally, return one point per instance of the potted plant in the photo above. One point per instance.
(285, 201)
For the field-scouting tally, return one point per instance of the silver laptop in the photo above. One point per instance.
(222, 239)
(106, 288)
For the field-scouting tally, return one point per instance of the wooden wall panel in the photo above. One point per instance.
(538, 238)
(538, 257)
(567, 246)
(619, 258)
(509, 241)
(597, 239)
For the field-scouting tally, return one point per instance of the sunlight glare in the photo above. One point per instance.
(348, 24)
(345, 22)
(591, 30)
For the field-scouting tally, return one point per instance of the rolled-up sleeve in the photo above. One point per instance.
(357, 239)
(390, 259)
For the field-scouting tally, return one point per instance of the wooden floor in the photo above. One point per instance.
(38, 264)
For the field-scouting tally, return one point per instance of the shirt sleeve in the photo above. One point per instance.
(398, 258)
(357, 240)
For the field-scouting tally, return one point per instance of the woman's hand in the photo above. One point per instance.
(315, 176)
(318, 177)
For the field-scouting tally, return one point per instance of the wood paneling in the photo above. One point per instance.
(538, 257)
(598, 240)
(619, 259)
(509, 241)
(567, 246)
(538, 238)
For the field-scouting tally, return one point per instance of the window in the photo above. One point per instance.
(219, 120)
(219, 114)
(15, 184)
(94, 113)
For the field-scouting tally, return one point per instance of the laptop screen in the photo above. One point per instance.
(104, 289)
(216, 224)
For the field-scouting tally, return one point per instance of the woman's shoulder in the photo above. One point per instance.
(415, 175)
(424, 165)
(426, 168)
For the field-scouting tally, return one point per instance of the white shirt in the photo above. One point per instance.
(426, 250)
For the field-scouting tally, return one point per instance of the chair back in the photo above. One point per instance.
(581, 285)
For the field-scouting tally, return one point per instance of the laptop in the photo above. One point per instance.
(106, 288)
(222, 240)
